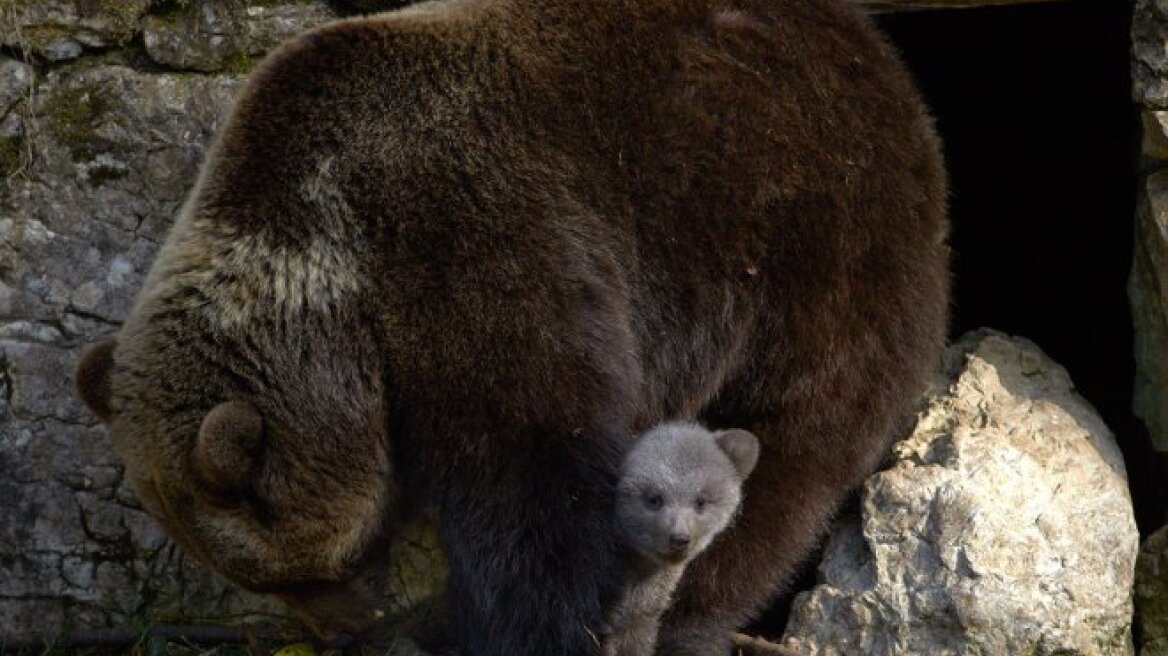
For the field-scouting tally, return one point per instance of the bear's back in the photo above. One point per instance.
(505, 176)
(675, 117)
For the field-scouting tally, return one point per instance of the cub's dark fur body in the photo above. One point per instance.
(459, 253)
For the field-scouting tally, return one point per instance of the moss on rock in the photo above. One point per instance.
(72, 116)
(240, 62)
(11, 156)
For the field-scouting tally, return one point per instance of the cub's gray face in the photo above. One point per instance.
(680, 486)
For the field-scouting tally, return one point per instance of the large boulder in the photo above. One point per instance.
(1002, 526)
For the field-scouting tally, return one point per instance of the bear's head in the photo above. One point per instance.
(264, 457)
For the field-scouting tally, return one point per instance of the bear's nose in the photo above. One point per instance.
(678, 541)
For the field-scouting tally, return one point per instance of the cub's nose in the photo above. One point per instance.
(679, 541)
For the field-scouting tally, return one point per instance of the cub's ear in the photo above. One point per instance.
(227, 445)
(92, 377)
(741, 447)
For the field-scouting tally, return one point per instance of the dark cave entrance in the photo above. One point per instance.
(1041, 136)
(1034, 105)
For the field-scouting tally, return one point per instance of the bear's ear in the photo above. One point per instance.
(227, 445)
(92, 377)
(741, 447)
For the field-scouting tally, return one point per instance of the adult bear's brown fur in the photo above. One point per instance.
(460, 252)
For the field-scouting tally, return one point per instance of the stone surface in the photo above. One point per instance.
(16, 79)
(1154, 134)
(62, 29)
(95, 158)
(213, 35)
(1148, 292)
(1152, 594)
(15, 82)
(1003, 526)
(108, 154)
(1150, 53)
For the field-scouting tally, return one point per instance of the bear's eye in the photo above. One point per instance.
(654, 501)
(700, 503)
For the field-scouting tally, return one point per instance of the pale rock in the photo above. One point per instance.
(28, 331)
(12, 127)
(59, 48)
(1003, 526)
(77, 572)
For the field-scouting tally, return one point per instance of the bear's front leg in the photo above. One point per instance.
(527, 524)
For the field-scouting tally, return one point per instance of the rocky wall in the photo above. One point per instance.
(1148, 284)
(1148, 291)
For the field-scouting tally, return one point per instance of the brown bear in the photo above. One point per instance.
(461, 253)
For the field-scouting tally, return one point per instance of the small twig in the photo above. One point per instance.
(197, 634)
(758, 645)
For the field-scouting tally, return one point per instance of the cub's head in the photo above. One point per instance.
(680, 486)
(265, 458)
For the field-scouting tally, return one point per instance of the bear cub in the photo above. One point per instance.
(680, 486)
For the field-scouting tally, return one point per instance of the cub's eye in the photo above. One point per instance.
(700, 503)
(654, 501)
